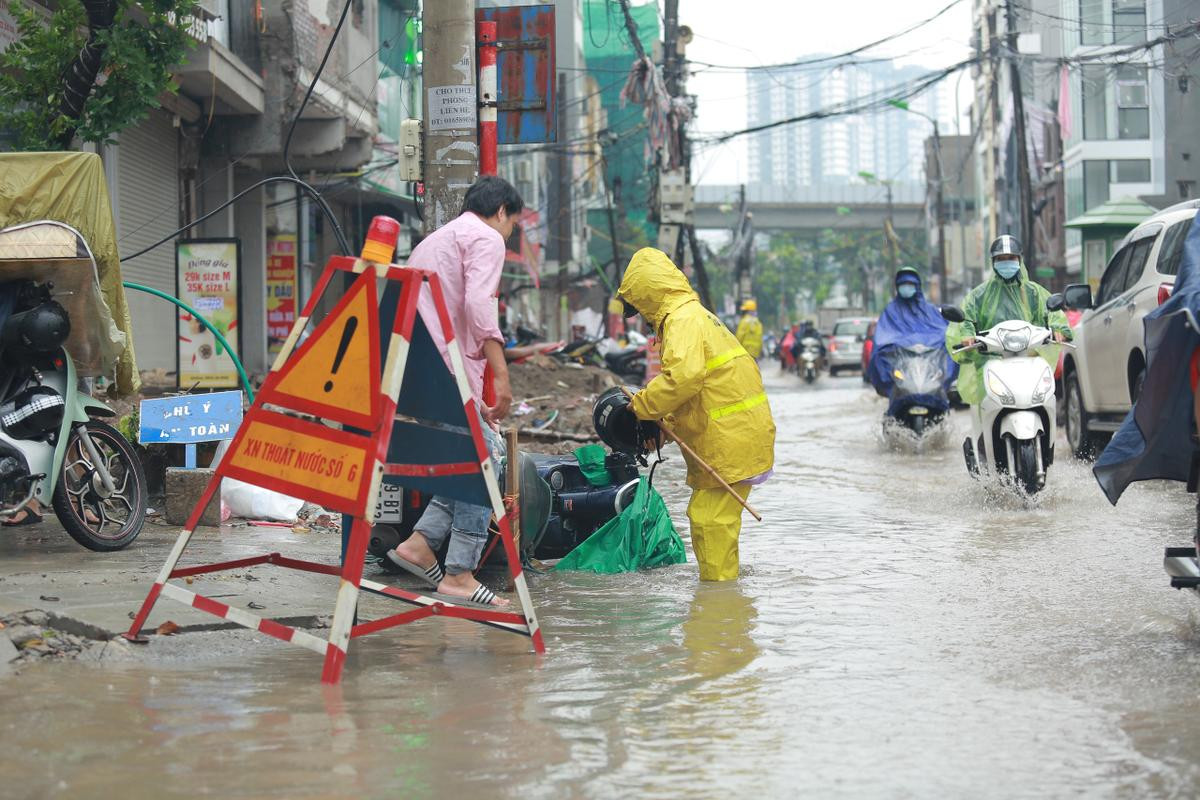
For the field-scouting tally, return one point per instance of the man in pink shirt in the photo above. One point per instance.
(468, 255)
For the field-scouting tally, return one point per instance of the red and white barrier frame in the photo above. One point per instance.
(360, 505)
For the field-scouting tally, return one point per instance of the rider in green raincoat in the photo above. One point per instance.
(1006, 294)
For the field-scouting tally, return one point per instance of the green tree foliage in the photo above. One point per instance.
(812, 263)
(134, 55)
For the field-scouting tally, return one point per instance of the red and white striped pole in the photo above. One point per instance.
(488, 139)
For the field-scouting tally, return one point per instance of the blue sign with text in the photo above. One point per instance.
(187, 419)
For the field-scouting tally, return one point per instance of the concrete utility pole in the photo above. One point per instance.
(743, 252)
(991, 111)
(890, 230)
(1026, 192)
(943, 294)
(451, 144)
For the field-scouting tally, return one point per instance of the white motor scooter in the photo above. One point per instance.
(810, 359)
(1013, 428)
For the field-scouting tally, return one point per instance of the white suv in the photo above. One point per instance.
(1103, 375)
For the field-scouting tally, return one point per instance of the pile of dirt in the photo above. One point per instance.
(552, 403)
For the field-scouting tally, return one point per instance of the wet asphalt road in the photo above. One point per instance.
(897, 632)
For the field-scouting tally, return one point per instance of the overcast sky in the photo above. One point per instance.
(770, 31)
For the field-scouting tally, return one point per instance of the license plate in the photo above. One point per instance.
(389, 508)
(919, 411)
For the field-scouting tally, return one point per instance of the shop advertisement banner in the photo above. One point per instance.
(207, 272)
(281, 289)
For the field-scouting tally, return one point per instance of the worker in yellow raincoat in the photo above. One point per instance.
(710, 394)
(749, 329)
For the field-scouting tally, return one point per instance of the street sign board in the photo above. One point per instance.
(526, 98)
(191, 418)
(303, 459)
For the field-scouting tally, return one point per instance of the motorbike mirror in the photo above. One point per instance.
(952, 313)
(1054, 302)
(1077, 297)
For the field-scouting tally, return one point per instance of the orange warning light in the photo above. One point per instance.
(382, 236)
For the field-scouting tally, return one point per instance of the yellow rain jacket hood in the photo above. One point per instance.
(710, 392)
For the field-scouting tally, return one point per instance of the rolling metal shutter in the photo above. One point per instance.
(147, 209)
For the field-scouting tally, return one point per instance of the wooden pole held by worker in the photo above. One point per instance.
(703, 464)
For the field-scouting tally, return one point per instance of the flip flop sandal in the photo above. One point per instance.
(31, 518)
(482, 597)
(433, 575)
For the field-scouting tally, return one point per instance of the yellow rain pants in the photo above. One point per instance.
(716, 519)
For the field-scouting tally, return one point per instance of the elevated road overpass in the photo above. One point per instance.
(812, 208)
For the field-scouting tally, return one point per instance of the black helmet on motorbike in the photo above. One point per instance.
(1005, 245)
(616, 424)
(41, 329)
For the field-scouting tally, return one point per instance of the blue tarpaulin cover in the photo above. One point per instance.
(905, 323)
(1155, 440)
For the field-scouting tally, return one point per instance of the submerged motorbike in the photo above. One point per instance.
(560, 507)
(52, 449)
(917, 400)
(1014, 426)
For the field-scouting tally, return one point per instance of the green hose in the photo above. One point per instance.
(220, 339)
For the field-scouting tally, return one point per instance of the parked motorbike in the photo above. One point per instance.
(52, 450)
(810, 359)
(1014, 427)
(918, 400)
(581, 351)
(629, 363)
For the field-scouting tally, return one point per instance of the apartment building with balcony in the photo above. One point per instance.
(1134, 122)
(1105, 119)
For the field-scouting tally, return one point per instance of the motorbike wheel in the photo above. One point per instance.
(1026, 467)
(96, 519)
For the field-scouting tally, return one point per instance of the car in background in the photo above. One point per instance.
(1103, 374)
(845, 344)
(867, 349)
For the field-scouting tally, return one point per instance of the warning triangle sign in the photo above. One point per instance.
(336, 373)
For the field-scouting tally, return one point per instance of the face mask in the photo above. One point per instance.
(628, 311)
(907, 290)
(1007, 269)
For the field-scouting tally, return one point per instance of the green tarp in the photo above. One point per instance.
(640, 537)
(591, 464)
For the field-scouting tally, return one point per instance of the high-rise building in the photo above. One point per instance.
(885, 142)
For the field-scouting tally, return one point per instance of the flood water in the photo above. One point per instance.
(895, 633)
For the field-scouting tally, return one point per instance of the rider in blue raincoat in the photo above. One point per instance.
(908, 320)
